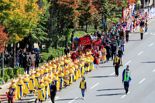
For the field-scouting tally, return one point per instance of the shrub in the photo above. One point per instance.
(6, 77)
(1, 81)
(15, 72)
(10, 72)
(20, 71)
(53, 53)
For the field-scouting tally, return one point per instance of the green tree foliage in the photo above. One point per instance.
(19, 17)
(61, 19)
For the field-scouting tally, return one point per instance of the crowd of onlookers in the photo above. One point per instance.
(24, 59)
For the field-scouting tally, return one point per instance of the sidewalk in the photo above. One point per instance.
(3, 90)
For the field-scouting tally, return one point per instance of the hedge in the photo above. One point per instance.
(52, 53)
(10, 73)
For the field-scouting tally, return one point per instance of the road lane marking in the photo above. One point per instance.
(146, 33)
(94, 85)
(127, 63)
(140, 82)
(73, 100)
(153, 70)
(123, 96)
(112, 73)
(57, 97)
(152, 34)
(150, 44)
(140, 53)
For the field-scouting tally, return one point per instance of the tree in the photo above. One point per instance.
(107, 8)
(39, 34)
(61, 19)
(19, 17)
(87, 10)
(3, 39)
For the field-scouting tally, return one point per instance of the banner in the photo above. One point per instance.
(86, 40)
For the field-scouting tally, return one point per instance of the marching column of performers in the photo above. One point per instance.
(63, 71)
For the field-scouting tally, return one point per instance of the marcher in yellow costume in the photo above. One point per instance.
(57, 82)
(26, 85)
(71, 75)
(66, 78)
(47, 89)
(36, 79)
(61, 76)
(104, 53)
(32, 83)
(41, 91)
(20, 88)
(14, 87)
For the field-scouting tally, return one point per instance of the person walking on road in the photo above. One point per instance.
(126, 78)
(141, 33)
(120, 54)
(142, 25)
(116, 63)
(83, 86)
(146, 25)
(53, 91)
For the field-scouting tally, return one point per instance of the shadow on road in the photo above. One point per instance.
(135, 40)
(105, 66)
(149, 62)
(110, 89)
(68, 99)
(106, 76)
(112, 94)
(65, 99)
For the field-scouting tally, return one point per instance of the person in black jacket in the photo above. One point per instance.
(66, 50)
(53, 91)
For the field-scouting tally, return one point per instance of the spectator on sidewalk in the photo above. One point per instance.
(66, 50)
(28, 65)
(37, 59)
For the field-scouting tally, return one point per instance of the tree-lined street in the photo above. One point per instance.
(77, 51)
(102, 84)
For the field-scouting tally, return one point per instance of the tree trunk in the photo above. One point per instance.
(14, 55)
(2, 71)
(86, 27)
(56, 42)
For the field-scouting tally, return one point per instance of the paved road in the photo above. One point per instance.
(104, 87)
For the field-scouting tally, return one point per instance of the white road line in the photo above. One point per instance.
(127, 63)
(140, 82)
(153, 70)
(112, 73)
(140, 53)
(94, 85)
(73, 100)
(57, 97)
(150, 44)
(152, 34)
(123, 96)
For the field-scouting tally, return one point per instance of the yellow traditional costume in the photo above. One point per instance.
(32, 83)
(26, 85)
(41, 91)
(20, 88)
(14, 87)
